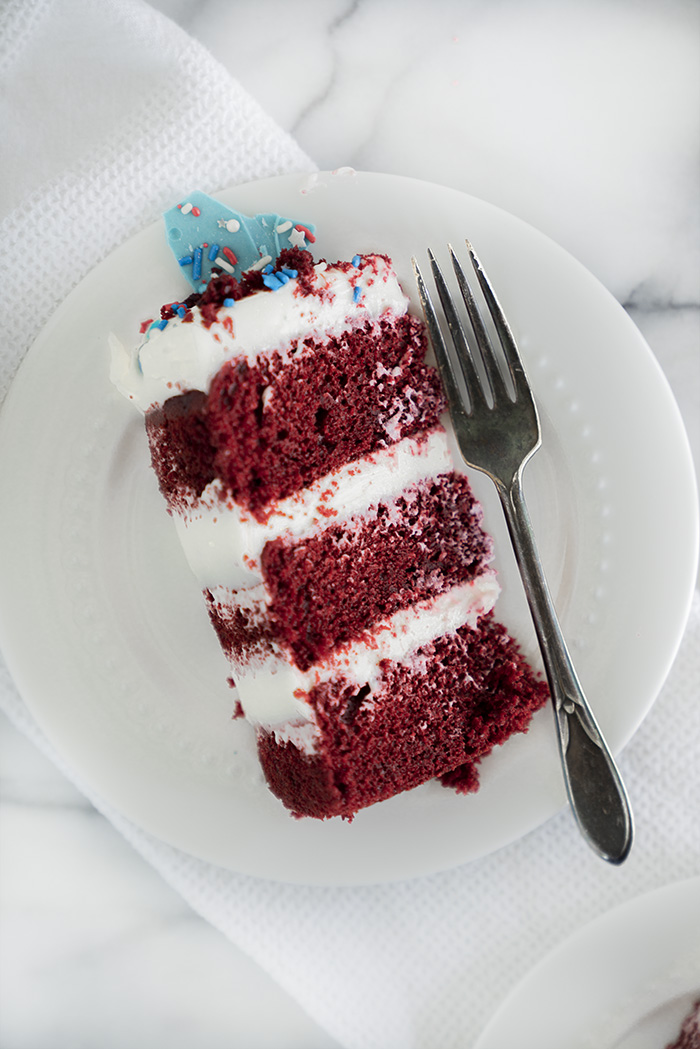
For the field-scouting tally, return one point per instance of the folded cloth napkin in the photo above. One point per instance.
(111, 114)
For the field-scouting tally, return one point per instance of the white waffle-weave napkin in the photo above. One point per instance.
(111, 114)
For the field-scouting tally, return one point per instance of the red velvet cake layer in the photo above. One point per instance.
(278, 425)
(332, 587)
(181, 450)
(244, 634)
(428, 718)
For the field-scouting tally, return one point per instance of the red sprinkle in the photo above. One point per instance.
(145, 326)
(307, 233)
(196, 212)
(230, 256)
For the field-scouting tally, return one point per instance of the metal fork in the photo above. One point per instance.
(497, 431)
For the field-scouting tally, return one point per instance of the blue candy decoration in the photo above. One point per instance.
(202, 220)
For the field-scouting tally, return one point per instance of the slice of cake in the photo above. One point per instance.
(689, 1034)
(295, 431)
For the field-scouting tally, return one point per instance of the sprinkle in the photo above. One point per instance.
(230, 256)
(357, 293)
(271, 281)
(356, 261)
(229, 302)
(268, 268)
(186, 209)
(213, 252)
(282, 276)
(224, 264)
(233, 225)
(197, 265)
(186, 260)
(297, 239)
(283, 227)
(290, 273)
(160, 324)
(196, 212)
(181, 312)
(261, 263)
(306, 231)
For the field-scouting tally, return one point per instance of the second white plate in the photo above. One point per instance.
(625, 981)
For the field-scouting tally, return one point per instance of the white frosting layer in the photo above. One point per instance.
(223, 543)
(272, 691)
(187, 355)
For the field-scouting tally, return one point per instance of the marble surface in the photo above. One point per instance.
(579, 116)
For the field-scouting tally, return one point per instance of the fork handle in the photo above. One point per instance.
(593, 784)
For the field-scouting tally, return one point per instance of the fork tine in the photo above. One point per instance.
(442, 354)
(493, 372)
(510, 348)
(461, 347)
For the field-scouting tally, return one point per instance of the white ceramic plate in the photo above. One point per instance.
(103, 625)
(625, 981)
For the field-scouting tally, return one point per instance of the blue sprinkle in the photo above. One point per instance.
(356, 261)
(185, 260)
(160, 324)
(282, 277)
(229, 302)
(213, 252)
(271, 281)
(357, 293)
(181, 312)
(197, 266)
(290, 273)
(268, 268)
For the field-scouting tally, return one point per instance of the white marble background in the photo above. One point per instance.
(580, 116)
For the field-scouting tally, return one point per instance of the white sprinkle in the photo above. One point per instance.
(283, 227)
(224, 264)
(233, 225)
(261, 263)
(186, 209)
(297, 238)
